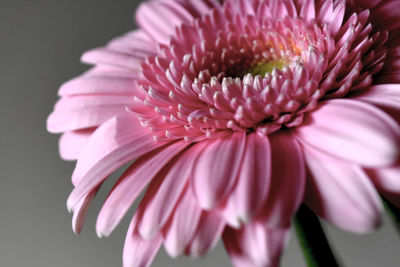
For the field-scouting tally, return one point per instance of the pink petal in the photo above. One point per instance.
(81, 209)
(386, 15)
(164, 192)
(107, 56)
(217, 168)
(72, 143)
(245, 6)
(336, 20)
(84, 111)
(325, 12)
(115, 143)
(341, 193)
(180, 231)
(278, 9)
(386, 179)
(256, 245)
(354, 131)
(308, 10)
(207, 234)
(253, 182)
(131, 184)
(98, 84)
(137, 251)
(83, 118)
(159, 18)
(387, 95)
(287, 181)
(134, 41)
(85, 101)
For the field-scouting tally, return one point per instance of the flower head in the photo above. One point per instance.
(236, 113)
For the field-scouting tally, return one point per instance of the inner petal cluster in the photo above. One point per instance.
(227, 72)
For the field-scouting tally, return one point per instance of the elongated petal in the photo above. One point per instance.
(71, 144)
(336, 20)
(98, 84)
(208, 232)
(253, 182)
(134, 41)
(386, 179)
(83, 118)
(341, 193)
(354, 131)
(115, 143)
(255, 245)
(387, 95)
(159, 18)
(180, 232)
(106, 56)
(217, 168)
(131, 184)
(165, 191)
(137, 251)
(81, 210)
(308, 10)
(84, 101)
(287, 181)
(386, 15)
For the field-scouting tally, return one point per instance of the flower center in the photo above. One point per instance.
(263, 68)
(226, 73)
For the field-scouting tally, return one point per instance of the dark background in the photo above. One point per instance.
(40, 45)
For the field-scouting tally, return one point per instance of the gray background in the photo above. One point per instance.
(40, 45)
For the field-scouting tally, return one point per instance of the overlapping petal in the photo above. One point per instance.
(229, 112)
(338, 188)
(255, 245)
(353, 131)
(286, 192)
(253, 182)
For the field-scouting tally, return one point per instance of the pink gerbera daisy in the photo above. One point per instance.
(233, 114)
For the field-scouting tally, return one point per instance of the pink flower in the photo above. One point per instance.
(236, 113)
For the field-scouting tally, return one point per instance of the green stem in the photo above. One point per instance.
(394, 213)
(312, 239)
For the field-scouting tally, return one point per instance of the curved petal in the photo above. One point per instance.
(386, 15)
(81, 209)
(253, 182)
(131, 183)
(180, 232)
(307, 10)
(287, 181)
(134, 41)
(99, 84)
(256, 245)
(165, 191)
(83, 118)
(208, 232)
(137, 251)
(108, 56)
(354, 131)
(85, 101)
(217, 168)
(115, 143)
(71, 144)
(386, 179)
(159, 18)
(387, 95)
(341, 193)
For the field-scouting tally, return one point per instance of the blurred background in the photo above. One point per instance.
(41, 42)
